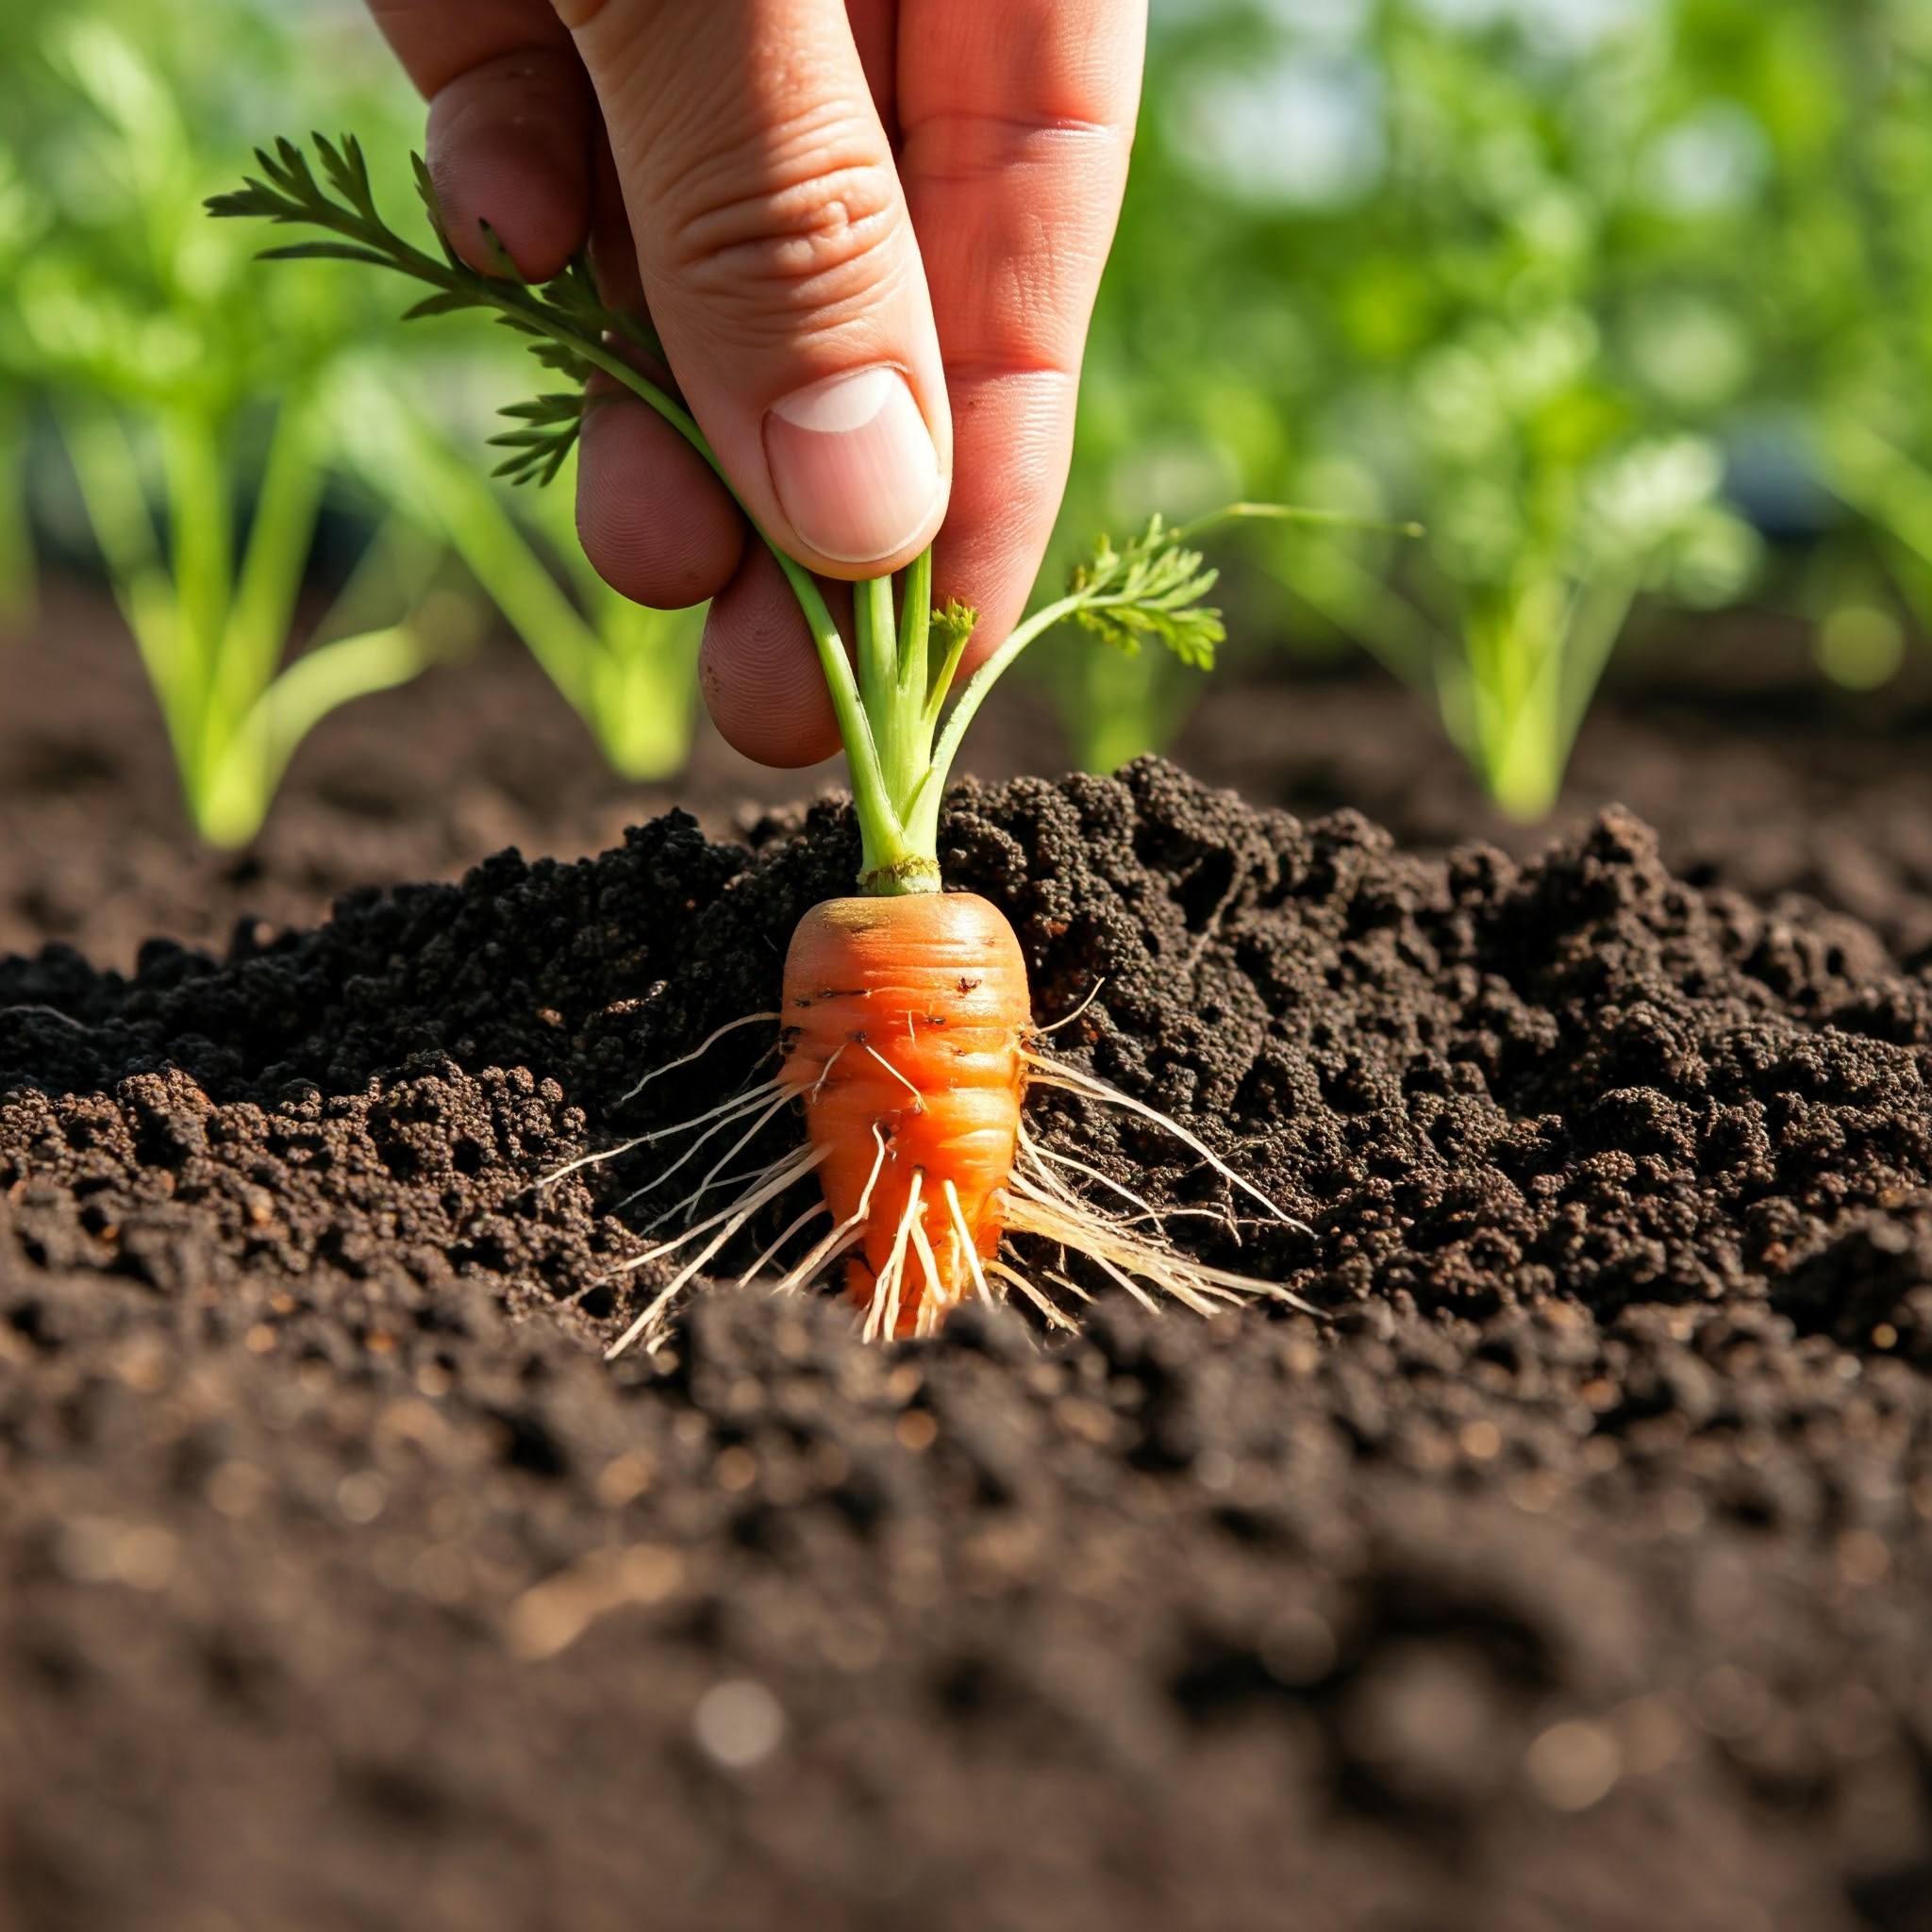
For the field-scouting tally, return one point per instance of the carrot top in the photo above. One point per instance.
(893, 714)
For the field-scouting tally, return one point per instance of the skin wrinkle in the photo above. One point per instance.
(1026, 126)
(797, 241)
(1047, 263)
(1009, 510)
(580, 16)
(1022, 323)
(976, 151)
(1063, 62)
(815, 235)
(741, 77)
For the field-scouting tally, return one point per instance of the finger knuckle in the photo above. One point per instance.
(814, 229)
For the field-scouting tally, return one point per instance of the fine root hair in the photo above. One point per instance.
(1050, 1198)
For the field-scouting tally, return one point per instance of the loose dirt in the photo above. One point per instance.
(1572, 1570)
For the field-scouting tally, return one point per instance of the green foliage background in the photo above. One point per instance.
(1598, 290)
(198, 413)
(1629, 302)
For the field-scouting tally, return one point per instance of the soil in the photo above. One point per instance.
(1571, 1568)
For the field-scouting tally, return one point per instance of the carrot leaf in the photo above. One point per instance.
(1150, 588)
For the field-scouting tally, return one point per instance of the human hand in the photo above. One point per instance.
(868, 235)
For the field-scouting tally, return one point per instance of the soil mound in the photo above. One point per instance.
(1573, 1569)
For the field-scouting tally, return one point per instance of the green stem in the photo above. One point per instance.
(200, 508)
(915, 629)
(465, 509)
(256, 631)
(1515, 647)
(942, 684)
(879, 648)
(880, 831)
(982, 682)
(1290, 513)
(643, 684)
(109, 475)
(248, 766)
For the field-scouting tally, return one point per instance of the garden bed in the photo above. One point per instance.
(1572, 1570)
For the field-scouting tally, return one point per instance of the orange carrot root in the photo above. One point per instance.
(907, 1041)
(905, 1021)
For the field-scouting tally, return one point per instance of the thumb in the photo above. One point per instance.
(778, 260)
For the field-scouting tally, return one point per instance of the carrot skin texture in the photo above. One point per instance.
(903, 1017)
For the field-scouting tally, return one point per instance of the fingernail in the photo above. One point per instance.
(854, 464)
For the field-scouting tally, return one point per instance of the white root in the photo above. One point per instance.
(883, 1316)
(794, 1166)
(847, 1234)
(935, 1303)
(723, 1114)
(697, 1053)
(780, 1176)
(1068, 1019)
(918, 1098)
(963, 1235)
(770, 1254)
(704, 1186)
(1040, 1201)
(1053, 1316)
(1037, 1151)
(1071, 1079)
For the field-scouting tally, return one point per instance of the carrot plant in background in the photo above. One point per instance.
(181, 397)
(23, 217)
(1841, 100)
(17, 570)
(207, 420)
(906, 1034)
(194, 406)
(1432, 268)
(629, 672)
(213, 621)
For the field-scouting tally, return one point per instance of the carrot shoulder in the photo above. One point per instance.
(904, 1022)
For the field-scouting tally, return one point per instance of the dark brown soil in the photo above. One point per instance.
(1574, 1571)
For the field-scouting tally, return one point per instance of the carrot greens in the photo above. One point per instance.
(892, 691)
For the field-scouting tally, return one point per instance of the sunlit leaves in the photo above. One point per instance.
(561, 318)
(1152, 587)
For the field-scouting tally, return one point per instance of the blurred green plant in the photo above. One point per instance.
(629, 672)
(1843, 95)
(183, 393)
(1440, 263)
(212, 618)
(208, 412)
(1566, 282)
(19, 231)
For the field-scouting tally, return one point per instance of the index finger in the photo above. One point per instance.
(510, 124)
(436, 40)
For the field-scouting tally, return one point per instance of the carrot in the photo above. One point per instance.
(907, 1024)
(904, 1022)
